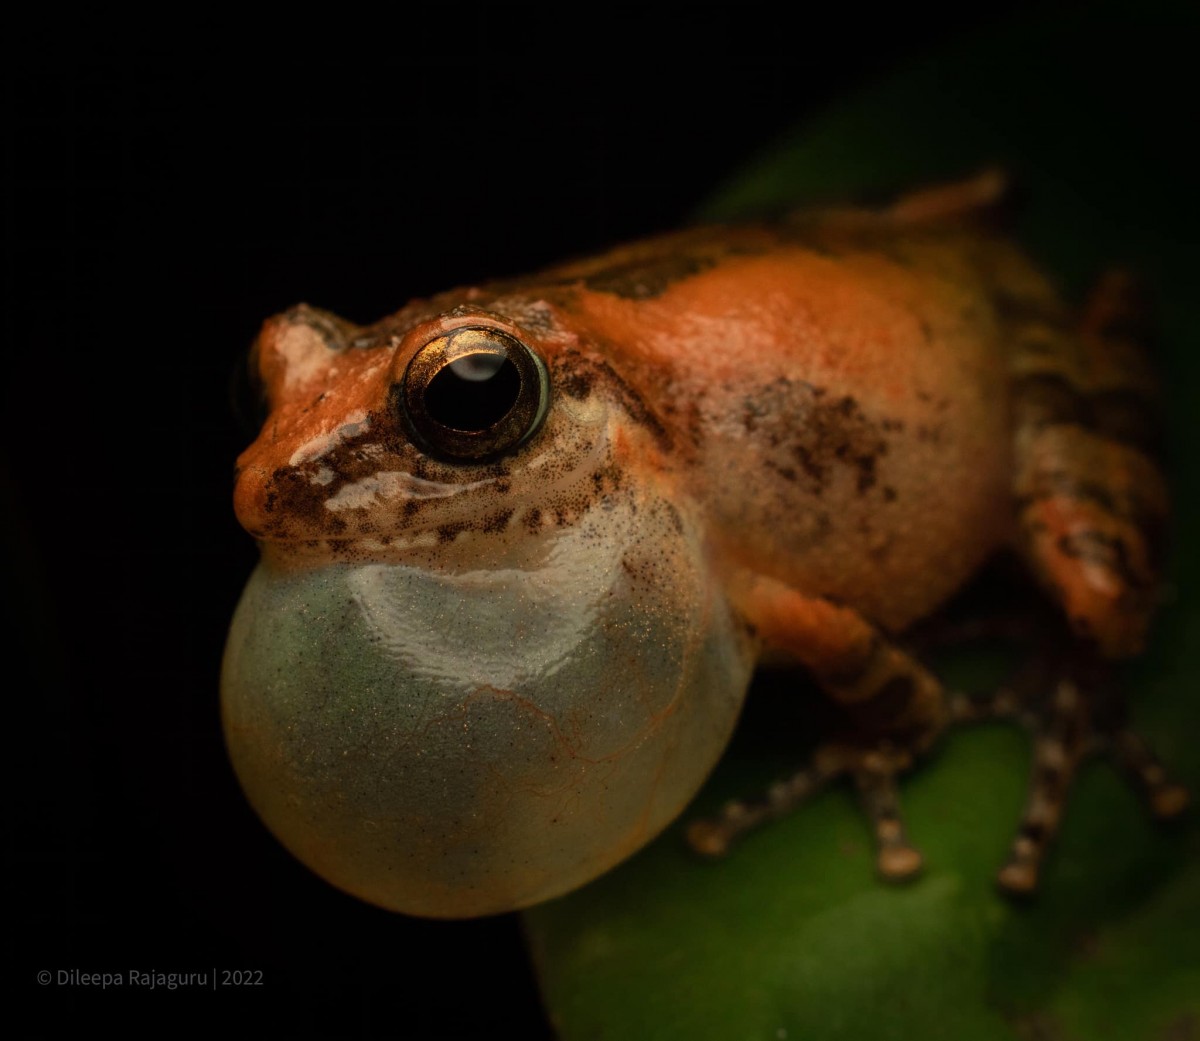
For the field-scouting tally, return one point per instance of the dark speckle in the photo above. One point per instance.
(577, 375)
(675, 518)
(866, 470)
(1050, 781)
(496, 522)
(448, 532)
(575, 383)
(811, 437)
(1033, 831)
(818, 472)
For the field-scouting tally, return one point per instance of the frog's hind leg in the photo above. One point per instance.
(1091, 508)
(1074, 710)
(1091, 500)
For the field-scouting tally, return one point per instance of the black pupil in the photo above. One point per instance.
(473, 392)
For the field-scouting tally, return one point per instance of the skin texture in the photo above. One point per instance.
(788, 441)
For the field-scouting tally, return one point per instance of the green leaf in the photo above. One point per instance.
(791, 936)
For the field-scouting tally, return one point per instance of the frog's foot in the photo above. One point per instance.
(1077, 716)
(874, 771)
(893, 709)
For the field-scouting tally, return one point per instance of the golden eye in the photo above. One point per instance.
(474, 393)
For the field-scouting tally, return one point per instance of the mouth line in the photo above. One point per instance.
(399, 543)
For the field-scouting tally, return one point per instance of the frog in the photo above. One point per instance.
(524, 544)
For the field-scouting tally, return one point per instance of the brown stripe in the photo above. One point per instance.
(853, 673)
(1019, 309)
(1122, 415)
(1125, 416)
(1043, 398)
(1033, 831)
(1150, 529)
(1109, 551)
(1055, 484)
(1051, 782)
(889, 702)
(1139, 497)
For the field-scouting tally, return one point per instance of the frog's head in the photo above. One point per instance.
(483, 658)
(417, 432)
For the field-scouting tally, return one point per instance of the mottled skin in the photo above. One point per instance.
(810, 395)
(855, 410)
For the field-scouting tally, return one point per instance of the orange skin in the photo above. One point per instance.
(854, 410)
(815, 409)
(825, 405)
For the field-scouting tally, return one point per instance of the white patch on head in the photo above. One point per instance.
(369, 372)
(304, 353)
(325, 442)
(395, 484)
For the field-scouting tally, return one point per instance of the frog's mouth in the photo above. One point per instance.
(386, 506)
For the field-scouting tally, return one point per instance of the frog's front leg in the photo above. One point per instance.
(896, 706)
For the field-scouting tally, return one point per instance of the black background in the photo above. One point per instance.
(166, 195)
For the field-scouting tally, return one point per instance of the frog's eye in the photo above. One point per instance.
(474, 393)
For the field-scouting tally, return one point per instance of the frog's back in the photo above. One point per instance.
(839, 395)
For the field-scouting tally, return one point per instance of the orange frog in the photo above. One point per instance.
(523, 544)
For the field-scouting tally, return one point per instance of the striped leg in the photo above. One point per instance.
(713, 836)
(1092, 506)
(1166, 798)
(874, 772)
(894, 857)
(1060, 743)
(896, 708)
(1073, 711)
(1092, 502)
